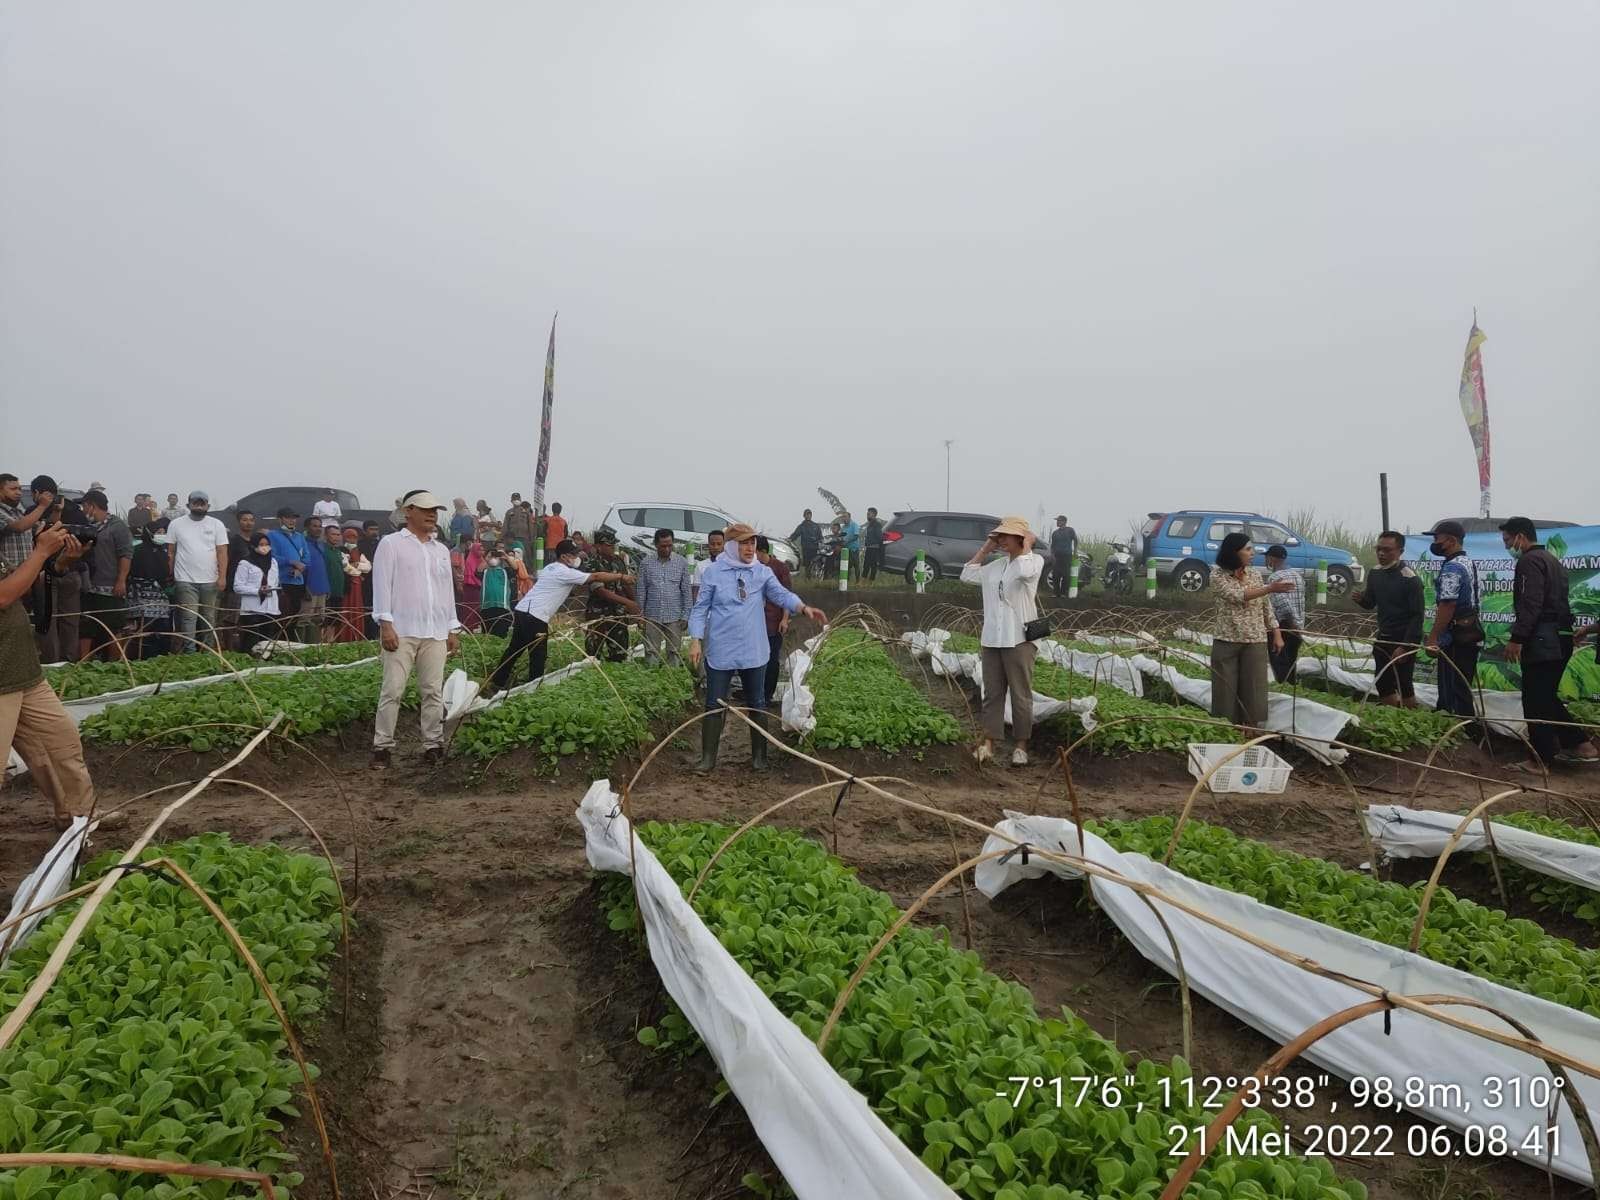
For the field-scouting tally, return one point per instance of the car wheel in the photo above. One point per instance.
(934, 573)
(1191, 576)
(1340, 581)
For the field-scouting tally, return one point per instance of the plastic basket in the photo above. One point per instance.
(1257, 769)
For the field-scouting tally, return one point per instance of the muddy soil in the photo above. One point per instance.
(490, 1047)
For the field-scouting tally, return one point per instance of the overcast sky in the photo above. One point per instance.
(1129, 257)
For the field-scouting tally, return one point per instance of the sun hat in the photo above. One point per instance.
(1017, 526)
(739, 532)
(422, 500)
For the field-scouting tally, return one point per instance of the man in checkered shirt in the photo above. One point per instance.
(1290, 609)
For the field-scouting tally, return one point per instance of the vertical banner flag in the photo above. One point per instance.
(1475, 408)
(543, 468)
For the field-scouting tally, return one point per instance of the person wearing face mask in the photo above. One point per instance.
(530, 628)
(197, 556)
(255, 582)
(495, 582)
(1457, 635)
(730, 614)
(290, 552)
(355, 566)
(1541, 643)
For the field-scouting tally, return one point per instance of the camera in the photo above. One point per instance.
(84, 533)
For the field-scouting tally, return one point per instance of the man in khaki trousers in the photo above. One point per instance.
(31, 717)
(414, 604)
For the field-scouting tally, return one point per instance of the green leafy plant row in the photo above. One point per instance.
(80, 681)
(156, 1041)
(1544, 890)
(312, 701)
(862, 699)
(930, 1037)
(602, 711)
(1461, 934)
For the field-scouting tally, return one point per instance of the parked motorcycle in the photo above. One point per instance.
(1118, 573)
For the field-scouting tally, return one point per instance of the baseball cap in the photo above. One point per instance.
(199, 496)
(1448, 529)
(1276, 552)
(605, 536)
(1522, 525)
(421, 500)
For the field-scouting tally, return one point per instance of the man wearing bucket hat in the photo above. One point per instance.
(1011, 623)
(730, 614)
(414, 604)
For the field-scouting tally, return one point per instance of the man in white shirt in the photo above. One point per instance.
(530, 628)
(414, 604)
(197, 555)
(327, 508)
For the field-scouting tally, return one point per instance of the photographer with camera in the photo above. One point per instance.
(18, 525)
(31, 716)
(105, 604)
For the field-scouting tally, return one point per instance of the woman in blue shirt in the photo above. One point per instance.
(730, 612)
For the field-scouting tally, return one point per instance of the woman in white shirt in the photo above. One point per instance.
(1009, 586)
(255, 582)
(530, 623)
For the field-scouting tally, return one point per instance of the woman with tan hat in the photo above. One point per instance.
(730, 612)
(1009, 586)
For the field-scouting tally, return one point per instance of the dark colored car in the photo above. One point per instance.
(266, 503)
(947, 540)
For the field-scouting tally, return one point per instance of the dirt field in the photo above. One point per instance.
(490, 1050)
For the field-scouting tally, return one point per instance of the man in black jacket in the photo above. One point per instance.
(1541, 643)
(808, 536)
(1395, 590)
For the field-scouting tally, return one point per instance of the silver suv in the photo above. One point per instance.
(947, 540)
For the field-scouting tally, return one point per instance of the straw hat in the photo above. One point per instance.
(739, 531)
(1012, 525)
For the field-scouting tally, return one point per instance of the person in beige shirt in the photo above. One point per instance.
(1245, 624)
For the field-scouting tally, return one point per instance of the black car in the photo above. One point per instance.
(947, 540)
(266, 503)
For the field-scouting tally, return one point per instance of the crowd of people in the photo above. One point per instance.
(78, 580)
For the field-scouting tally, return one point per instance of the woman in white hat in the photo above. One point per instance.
(1009, 586)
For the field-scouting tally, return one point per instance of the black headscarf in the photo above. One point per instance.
(263, 562)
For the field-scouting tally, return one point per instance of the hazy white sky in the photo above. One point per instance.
(1129, 257)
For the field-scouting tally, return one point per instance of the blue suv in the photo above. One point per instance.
(1183, 546)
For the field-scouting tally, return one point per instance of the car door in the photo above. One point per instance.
(1270, 533)
(1217, 530)
(959, 538)
(699, 523)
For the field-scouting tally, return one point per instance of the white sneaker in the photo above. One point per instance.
(1019, 757)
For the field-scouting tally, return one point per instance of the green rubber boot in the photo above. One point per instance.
(710, 739)
(758, 742)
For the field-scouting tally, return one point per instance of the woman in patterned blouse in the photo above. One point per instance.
(1245, 624)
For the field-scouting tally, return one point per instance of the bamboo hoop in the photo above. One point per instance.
(1309, 965)
(1438, 869)
(1188, 805)
(1293, 1049)
(52, 968)
(166, 864)
(141, 1166)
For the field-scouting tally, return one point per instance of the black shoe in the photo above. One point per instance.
(433, 756)
(380, 760)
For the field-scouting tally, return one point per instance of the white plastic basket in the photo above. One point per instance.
(1257, 769)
